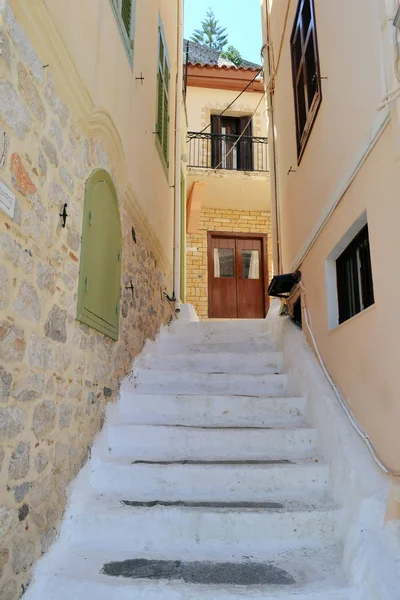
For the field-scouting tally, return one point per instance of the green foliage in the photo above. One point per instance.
(211, 34)
(233, 54)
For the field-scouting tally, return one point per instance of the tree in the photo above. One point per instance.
(211, 34)
(233, 54)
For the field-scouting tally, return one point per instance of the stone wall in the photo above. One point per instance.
(216, 219)
(56, 375)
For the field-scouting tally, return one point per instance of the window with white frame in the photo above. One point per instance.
(350, 287)
(125, 14)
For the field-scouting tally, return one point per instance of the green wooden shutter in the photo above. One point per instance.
(126, 15)
(163, 97)
(100, 266)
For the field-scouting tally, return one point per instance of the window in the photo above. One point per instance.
(354, 277)
(224, 135)
(100, 264)
(306, 72)
(163, 79)
(125, 14)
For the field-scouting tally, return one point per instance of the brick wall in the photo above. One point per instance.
(216, 219)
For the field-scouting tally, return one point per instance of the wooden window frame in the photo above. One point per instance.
(244, 147)
(303, 133)
(355, 289)
(126, 36)
(163, 97)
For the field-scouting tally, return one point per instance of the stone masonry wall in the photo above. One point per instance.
(216, 219)
(56, 375)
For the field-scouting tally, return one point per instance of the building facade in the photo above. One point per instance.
(228, 250)
(88, 112)
(334, 139)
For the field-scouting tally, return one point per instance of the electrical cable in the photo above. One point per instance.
(343, 404)
(232, 103)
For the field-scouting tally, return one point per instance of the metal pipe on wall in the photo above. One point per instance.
(178, 153)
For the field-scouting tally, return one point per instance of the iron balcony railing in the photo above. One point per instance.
(211, 151)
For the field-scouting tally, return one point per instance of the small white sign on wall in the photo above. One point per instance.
(7, 200)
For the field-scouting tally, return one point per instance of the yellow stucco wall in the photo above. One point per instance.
(214, 219)
(340, 177)
(82, 43)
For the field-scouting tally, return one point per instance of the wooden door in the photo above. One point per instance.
(237, 275)
(222, 275)
(250, 280)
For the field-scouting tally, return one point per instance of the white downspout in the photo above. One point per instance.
(178, 154)
(272, 153)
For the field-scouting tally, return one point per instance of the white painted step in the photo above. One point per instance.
(161, 443)
(197, 532)
(203, 337)
(216, 327)
(251, 364)
(75, 573)
(210, 410)
(171, 345)
(210, 482)
(169, 382)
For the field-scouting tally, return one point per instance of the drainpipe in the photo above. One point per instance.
(276, 235)
(178, 154)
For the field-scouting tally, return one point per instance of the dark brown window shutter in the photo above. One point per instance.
(245, 159)
(216, 153)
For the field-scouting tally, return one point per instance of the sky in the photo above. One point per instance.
(242, 19)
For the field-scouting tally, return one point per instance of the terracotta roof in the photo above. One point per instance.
(203, 55)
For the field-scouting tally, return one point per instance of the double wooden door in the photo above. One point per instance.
(237, 276)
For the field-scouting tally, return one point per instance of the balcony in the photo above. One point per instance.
(221, 151)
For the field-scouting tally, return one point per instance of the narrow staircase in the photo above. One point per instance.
(205, 484)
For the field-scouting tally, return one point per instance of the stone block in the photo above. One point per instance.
(21, 178)
(12, 422)
(13, 111)
(4, 144)
(20, 460)
(56, 133)
(27, 303)
(57, 195)
(67, 179)
(23, 554)
(9, 590)
(65, 416)
(4, 288)
(5, 55)
(55, 325)
(61, 455)
(29, 388)
(31, 95)
(50, 151)
(44, 418)
(23, 512)
(62, 359)
(47, 539)
(54, 101)
(46, 278)
(73, 240)
(40, 353)
(6, 519)
(41, 461)
(12, 342)
(42, 165)
(24, 47)
(20, 491)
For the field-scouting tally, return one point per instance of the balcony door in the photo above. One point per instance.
(228, 149)
(237, 275)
